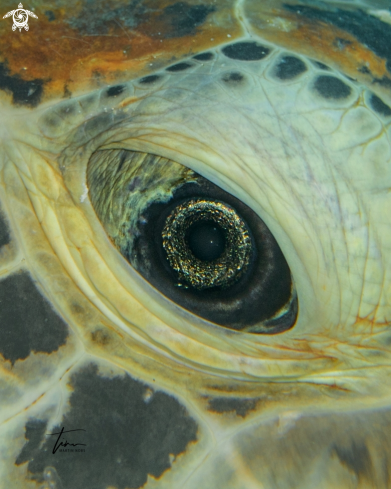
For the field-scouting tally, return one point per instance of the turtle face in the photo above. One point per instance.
(194, 260)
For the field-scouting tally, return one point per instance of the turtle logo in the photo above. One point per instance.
(20, 17)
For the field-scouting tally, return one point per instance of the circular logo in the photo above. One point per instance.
(20, 18)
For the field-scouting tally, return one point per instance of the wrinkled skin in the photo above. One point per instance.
(166, 399)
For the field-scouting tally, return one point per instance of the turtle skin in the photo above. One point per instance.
(104, 381)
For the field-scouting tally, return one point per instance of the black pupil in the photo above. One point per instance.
(206, 240)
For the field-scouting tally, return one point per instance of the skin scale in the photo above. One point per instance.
(168, 400)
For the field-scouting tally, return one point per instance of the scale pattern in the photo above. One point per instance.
(167, 400)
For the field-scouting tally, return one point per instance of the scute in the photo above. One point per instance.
(27, 321)
(286, 105)
(24, 92)
(4, 233)
(102, 46)
(130, 431)
(330, 87)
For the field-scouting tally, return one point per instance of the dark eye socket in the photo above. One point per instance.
(201, 247)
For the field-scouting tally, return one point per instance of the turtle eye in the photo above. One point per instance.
(198, 245)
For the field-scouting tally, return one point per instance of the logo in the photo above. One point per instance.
(64, 443)
(20, 17)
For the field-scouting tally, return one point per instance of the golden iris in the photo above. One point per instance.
(222, 271)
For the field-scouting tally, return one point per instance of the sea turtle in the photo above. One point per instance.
(195, 286)
(20, 16)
